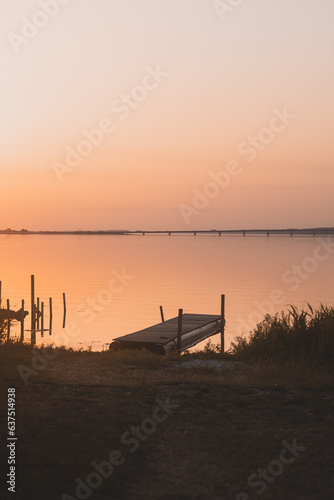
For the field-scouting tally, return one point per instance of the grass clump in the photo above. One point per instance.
(306, 336)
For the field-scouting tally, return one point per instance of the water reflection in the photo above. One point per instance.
(115, 284)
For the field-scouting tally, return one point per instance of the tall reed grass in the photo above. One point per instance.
(306, 335)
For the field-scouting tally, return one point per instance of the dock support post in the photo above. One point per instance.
(64, 302)
(8, 319)
(50, 307)
(162, 314)
(179, 332)
(33, 333)
(22, 322)
(222, 319)
(38, 313)
(42, 319)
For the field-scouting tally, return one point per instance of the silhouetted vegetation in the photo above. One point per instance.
(296, 335)
(3, 329)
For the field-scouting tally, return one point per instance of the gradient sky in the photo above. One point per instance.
(226, 75)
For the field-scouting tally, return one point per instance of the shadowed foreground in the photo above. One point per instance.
(181, 431)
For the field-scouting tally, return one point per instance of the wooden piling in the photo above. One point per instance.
(64, 303)
(37, 314)
(50, 307)
(8, 319)
(42, 319)
(33, 333)
(162, 314)
(222, 319)
(22, 322)
(179, 332)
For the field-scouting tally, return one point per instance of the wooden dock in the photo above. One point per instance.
(173, 335)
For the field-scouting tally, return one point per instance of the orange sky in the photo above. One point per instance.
(178, 93)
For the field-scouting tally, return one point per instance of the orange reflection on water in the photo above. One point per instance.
(115, 284)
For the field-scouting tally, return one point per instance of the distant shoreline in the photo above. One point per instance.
(65, 232)
(317, 231)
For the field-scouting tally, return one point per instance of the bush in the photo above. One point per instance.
(298, 335)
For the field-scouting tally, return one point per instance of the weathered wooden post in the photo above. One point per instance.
(22, 322)
(162, 314)
(8, 319)
(222, 319)
(179, 332)
(33, 333)
(64, 302)
(50, 306)
(42, 319)
(38, 314)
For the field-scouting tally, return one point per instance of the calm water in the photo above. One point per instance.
(115, 284)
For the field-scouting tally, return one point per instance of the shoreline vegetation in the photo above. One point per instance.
(227, 416)
(302, 336)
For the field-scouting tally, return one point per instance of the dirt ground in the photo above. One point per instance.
(158, 430)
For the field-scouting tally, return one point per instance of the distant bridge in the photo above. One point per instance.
(244, 232)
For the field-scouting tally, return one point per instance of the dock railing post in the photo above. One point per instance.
(179, 332)
(162, 314)
(222, 319)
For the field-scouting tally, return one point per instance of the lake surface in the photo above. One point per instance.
(114, 285)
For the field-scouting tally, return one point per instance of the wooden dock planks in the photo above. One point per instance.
(162, 337)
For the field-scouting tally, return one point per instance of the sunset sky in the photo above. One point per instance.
(209, 117)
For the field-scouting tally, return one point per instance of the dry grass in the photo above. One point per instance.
(229, 423)
(138, 368)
